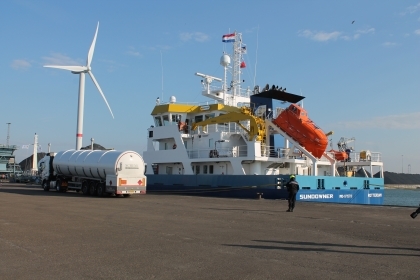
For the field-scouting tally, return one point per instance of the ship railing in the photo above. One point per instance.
(372, 157)
(244, 92)
(8, 146)
(16, 170)
(277, 112)
(224, 128)
(356, 157)
(284, 153)
(231, 152)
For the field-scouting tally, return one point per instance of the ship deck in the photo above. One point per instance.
(182, 237)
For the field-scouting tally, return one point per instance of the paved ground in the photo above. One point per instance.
(70, 236)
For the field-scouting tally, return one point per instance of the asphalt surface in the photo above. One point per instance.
(71, 236)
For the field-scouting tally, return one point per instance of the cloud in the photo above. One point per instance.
(404, 121)
(196, 36)
(411, 10)
(417, 32)
(360, 32)
(20, 64)
(322, 36)
(366, 31)
(389, 44)
(61, 59)
(133, 52)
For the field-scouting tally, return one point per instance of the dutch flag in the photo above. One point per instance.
(228, 38)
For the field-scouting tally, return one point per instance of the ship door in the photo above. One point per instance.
(366, 184)
(320, 185)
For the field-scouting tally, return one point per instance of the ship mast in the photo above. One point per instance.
(229, 95)
(236, 71)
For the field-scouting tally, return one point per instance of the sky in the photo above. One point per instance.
(356, 62)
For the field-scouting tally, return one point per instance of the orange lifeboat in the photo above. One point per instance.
(340, 156)
(295, 122)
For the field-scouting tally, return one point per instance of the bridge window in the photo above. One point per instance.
(165, 120)
(198, 118)
(158, 121)
(208, 116)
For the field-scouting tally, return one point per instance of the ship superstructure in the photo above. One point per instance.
(239, 139)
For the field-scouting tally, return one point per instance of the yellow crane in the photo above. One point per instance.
(257, 125)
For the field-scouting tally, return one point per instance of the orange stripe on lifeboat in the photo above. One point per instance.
(295, 122)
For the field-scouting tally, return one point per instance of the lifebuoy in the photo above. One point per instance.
(174, 146)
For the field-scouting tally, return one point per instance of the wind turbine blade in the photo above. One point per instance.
(70, 68)
(99, 88)
(92, 48)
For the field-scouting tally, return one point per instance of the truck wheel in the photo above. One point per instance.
(92, 189)
(100, 190)
(46, 186)
(85, 189)
(58, 186)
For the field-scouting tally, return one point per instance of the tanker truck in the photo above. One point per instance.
(94, 172)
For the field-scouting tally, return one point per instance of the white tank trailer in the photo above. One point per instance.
(94, 172)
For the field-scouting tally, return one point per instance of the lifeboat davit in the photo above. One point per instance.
(295, 122)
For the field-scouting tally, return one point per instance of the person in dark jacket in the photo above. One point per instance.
(292, 187)
(415, 213)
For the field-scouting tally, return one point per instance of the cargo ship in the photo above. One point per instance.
(240, 143)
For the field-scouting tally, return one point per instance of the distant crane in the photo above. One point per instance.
(342, 144)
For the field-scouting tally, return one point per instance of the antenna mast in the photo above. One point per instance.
(236, 71)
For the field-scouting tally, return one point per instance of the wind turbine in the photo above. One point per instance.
(81, 70)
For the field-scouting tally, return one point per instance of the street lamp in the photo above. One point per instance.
(8, 134)
(409, 169)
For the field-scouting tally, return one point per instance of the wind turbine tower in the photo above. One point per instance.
(81, 70)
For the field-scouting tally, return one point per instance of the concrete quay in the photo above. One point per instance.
(49, 235)
(403, 187)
